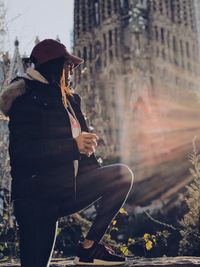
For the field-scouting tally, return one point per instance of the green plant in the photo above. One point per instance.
(145, 245)
(190, 242)
(9, 243)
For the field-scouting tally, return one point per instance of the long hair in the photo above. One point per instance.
(65, 90)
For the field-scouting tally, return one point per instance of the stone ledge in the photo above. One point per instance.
(145, 262)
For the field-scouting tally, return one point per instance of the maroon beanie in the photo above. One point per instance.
(50, 49)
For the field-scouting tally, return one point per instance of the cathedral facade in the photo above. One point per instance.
(141, 56)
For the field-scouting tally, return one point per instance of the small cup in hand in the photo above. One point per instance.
(87, 142)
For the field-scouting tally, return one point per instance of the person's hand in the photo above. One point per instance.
(87, 142)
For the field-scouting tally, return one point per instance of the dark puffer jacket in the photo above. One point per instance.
(41, 145)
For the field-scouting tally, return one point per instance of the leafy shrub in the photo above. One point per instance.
(190, 242)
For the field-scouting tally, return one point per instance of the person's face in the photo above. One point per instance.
(68, 67)
(52, 70)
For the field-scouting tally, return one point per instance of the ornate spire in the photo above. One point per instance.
(16, 65)
(37, 40)
(16, 42)
(58, 38)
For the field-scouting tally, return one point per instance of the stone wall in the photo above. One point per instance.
(165, 261)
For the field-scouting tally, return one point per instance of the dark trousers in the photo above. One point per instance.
(37, 222)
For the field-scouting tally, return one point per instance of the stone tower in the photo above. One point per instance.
(16, 65)
(99, 39)
(137, 53)
(174, 46)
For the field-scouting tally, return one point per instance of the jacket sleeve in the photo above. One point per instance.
(93, 158)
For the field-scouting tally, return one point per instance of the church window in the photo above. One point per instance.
(109, 6)
(185, 15)
(191, 15)
(98, 64)
(77, 26)
(178, 6)
(104, 41)
(167, 7)
(187, 49)
(181, 48)
(174, 41)
(110, 37)
(124, 4)
(172, 8)
(138, 42)
(103, 9)
(156, 33)
(91, 70)
(97, 48)
(116, 5)
(168, 39)
(194, 52)
(154, 5)
(83, 16)
(174, 44)
(79, 69)
(111, 55)
(90, 11)
(98, 61)
(163, 53)
(90, 53)
(162, 35)
(121, 3)
(96, 13)
(161, 6)
(157, 51)
(116, 42)
(85, 54)
(105, 59)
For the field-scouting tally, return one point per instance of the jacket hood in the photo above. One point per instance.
(17, 88)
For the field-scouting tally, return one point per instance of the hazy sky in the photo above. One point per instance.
(46, 18)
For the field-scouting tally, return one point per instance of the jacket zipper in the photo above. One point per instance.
(75, 174)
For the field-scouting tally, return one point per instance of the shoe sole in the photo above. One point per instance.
(97, 262)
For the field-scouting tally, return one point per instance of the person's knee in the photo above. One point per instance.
(126, 174)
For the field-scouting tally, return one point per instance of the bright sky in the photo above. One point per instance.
(46, 18)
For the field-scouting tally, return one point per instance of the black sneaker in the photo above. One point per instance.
(99, 254)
